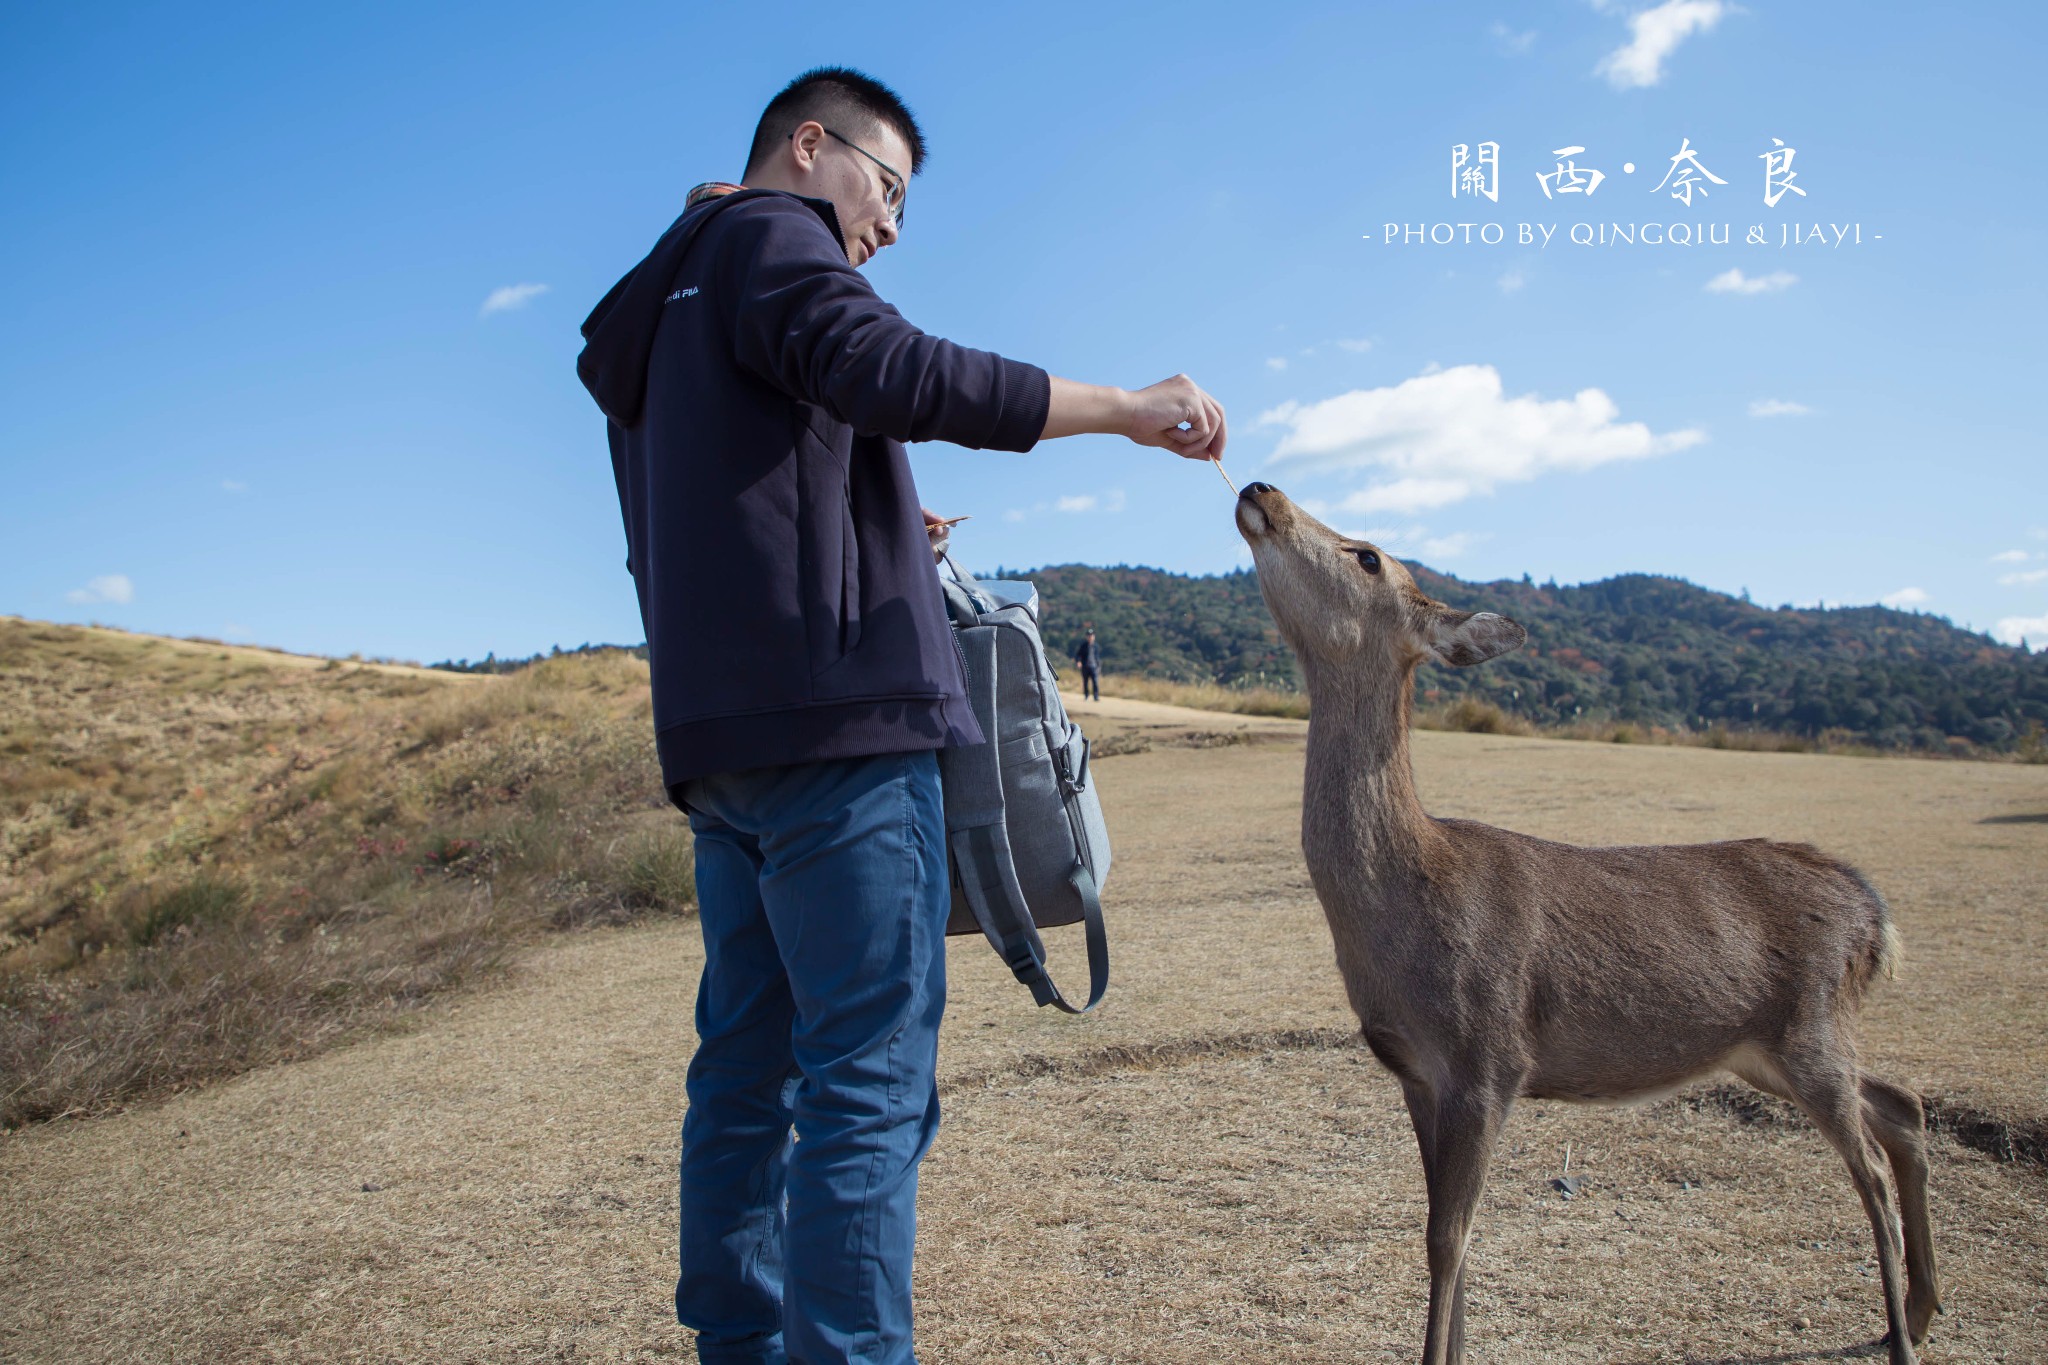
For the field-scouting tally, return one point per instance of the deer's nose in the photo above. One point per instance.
(1251, 488)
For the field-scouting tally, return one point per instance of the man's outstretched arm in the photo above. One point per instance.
(811, 325)
(1150, 416)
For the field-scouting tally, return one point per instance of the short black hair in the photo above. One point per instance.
(841, 98)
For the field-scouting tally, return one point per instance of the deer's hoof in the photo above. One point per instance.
(1920, 1311)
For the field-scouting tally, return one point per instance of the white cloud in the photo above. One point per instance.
(1777, 407)
(1733, 281)
(111, 587)
(1511, 281)
(508, 297)
(2031, 630)
(1406, 540)
(1451, 435)
(1355, 344)
(1278, 362)
(1111, 501)
(1654, 34)
(2029, 576)
(1904, 597)
(233, 486)
(1509, 40)
(2009, 557)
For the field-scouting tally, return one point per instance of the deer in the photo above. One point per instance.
(1486, 965)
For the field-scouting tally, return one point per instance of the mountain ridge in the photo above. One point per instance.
(1646, 648)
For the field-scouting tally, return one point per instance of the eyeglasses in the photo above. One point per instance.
(895, 190)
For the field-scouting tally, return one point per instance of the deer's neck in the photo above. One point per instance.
(1360, 809)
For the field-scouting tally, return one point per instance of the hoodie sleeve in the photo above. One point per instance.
(808, 323)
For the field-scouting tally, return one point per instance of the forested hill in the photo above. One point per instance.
(1659, 651)
(1637, 647)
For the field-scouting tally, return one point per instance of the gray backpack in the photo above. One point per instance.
(1023, 823)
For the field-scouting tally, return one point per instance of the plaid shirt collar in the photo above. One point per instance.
(710, 189)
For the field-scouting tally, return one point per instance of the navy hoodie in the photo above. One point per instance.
(757, 393)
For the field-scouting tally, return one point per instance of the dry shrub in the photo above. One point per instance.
(208, 1002)
(2033, 745)
(1755, 741)
(1473, 716)
(649, 872)
(659, 872)
(203, 900)
(1243, 701)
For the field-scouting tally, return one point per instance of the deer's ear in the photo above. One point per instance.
(1463, 638)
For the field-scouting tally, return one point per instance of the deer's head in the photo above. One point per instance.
(1350, 604)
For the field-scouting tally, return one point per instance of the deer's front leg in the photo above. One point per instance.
(1466, 1125)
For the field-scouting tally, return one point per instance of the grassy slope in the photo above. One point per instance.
(212, 857)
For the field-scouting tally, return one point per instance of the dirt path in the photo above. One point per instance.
(1205, 1168)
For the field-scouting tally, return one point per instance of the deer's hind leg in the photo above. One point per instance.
(1895, 1118)
(1827, 1089)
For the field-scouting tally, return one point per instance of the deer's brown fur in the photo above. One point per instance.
(1485, 965)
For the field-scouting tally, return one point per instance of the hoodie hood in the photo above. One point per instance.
(618, 335)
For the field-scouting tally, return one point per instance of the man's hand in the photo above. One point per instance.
(1150, 416)
(1158, 411)
(939, 529)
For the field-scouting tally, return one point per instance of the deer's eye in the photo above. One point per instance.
(1370, 559)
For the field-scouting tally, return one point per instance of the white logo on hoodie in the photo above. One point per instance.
(680, 294)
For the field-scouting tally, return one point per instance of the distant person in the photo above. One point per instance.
(1089, 657)
(757, 393)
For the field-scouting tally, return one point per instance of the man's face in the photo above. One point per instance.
(858, 188)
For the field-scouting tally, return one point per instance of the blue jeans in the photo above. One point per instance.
(822, 892)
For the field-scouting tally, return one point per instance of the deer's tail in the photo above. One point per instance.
(1891, 951)
(1885, 952)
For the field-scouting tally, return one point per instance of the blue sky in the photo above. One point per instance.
(250, 386)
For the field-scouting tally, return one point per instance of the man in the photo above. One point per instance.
(1090, 659)
(757, 393)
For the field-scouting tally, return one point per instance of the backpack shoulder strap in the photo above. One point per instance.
(979, 842)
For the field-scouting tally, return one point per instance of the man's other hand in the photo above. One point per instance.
(939, 529)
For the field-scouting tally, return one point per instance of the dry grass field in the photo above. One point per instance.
(1208, 1167)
